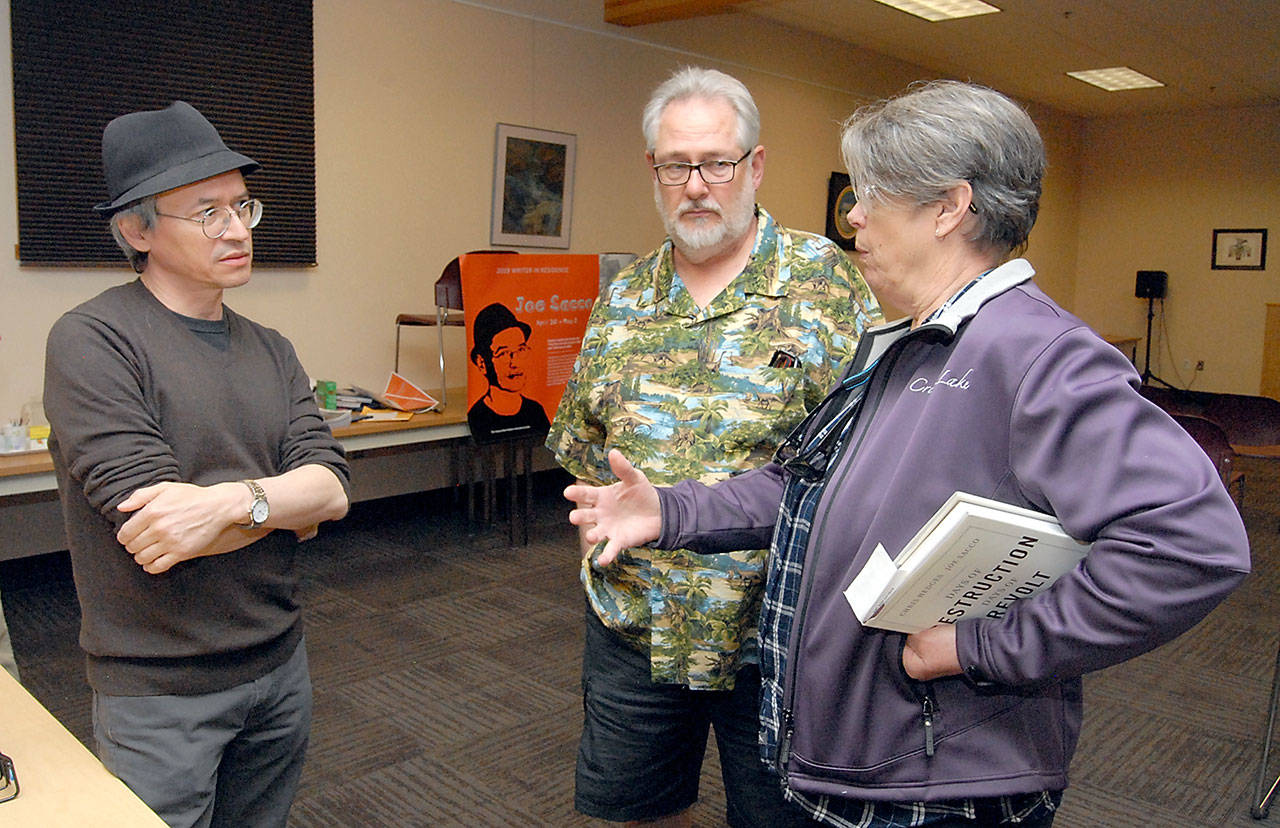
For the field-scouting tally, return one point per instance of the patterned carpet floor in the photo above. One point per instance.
(445, 666)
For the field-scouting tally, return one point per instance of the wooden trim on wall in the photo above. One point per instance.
(640, 12)
(1270, 386)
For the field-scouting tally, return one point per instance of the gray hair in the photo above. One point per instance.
(919, 145)
(705, 84)
(145, 210)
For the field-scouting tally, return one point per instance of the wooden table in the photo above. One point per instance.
(61, 782)
(32, 471)
(387, 458)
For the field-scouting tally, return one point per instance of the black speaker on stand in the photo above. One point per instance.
(1150, 285)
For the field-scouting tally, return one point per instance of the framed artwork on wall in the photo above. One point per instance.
(840, 199)
(1239, 250)
(532, 187)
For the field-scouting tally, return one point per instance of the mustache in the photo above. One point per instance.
(699, 204)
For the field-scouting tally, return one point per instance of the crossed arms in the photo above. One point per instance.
(171, 522)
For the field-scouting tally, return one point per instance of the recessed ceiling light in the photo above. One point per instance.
(1116, 79)
(941, 9)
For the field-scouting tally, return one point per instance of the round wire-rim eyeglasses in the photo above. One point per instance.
(216, 221)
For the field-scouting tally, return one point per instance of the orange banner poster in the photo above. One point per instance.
(525, 316)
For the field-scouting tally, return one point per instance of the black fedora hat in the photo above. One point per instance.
(491, 321)
(151, 152)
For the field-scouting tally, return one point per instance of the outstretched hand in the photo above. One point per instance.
(625, 513)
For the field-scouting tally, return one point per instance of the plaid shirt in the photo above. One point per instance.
(786, 565)
(1014, 809)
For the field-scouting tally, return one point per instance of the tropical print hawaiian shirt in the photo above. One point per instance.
(704, 393)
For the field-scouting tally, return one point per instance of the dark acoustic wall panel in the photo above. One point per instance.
(246, 65)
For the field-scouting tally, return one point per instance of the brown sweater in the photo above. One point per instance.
(136, 397)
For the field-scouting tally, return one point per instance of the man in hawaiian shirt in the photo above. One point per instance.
(698, 360)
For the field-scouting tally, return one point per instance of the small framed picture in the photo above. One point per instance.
(840, 200)
(1239, 250)
(532, 187)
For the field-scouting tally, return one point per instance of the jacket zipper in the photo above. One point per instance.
(888, 360)
(784, 746)
(927, 708)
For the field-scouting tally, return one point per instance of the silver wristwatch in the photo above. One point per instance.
(259, 509)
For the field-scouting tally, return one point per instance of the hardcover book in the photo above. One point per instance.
(973, 559)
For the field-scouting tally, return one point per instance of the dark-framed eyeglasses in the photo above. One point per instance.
(216, 221)
(806, 455)
(8, 779)
(675, 173)
(808, 458)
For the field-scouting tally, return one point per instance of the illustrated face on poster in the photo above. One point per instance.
(500, 351)
(524, 337)
(508, 356)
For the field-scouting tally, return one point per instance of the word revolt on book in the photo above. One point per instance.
(974, 558)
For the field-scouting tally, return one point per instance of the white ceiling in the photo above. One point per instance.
(1208, 53)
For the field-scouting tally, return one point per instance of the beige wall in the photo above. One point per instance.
(407, 96)
(1052, 247)
(1153, 190)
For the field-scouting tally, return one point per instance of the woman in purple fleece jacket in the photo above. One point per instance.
(988, 387)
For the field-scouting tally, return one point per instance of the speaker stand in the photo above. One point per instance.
(1147, 376)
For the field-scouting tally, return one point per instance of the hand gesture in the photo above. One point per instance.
(626, 513)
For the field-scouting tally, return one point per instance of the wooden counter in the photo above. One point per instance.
(62, 784)
(387, 458)
(445, 424)
(25, 462)
(32, 471)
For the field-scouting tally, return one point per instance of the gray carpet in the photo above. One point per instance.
(445, 667)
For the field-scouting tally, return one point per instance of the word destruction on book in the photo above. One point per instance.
(975, 557)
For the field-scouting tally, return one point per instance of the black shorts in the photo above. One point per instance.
(642, 743)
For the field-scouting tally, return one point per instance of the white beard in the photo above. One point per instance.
(701, 240)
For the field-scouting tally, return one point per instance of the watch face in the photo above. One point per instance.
(260, 511)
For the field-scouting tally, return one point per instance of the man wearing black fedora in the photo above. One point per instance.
(191, 461)
(501, 350)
